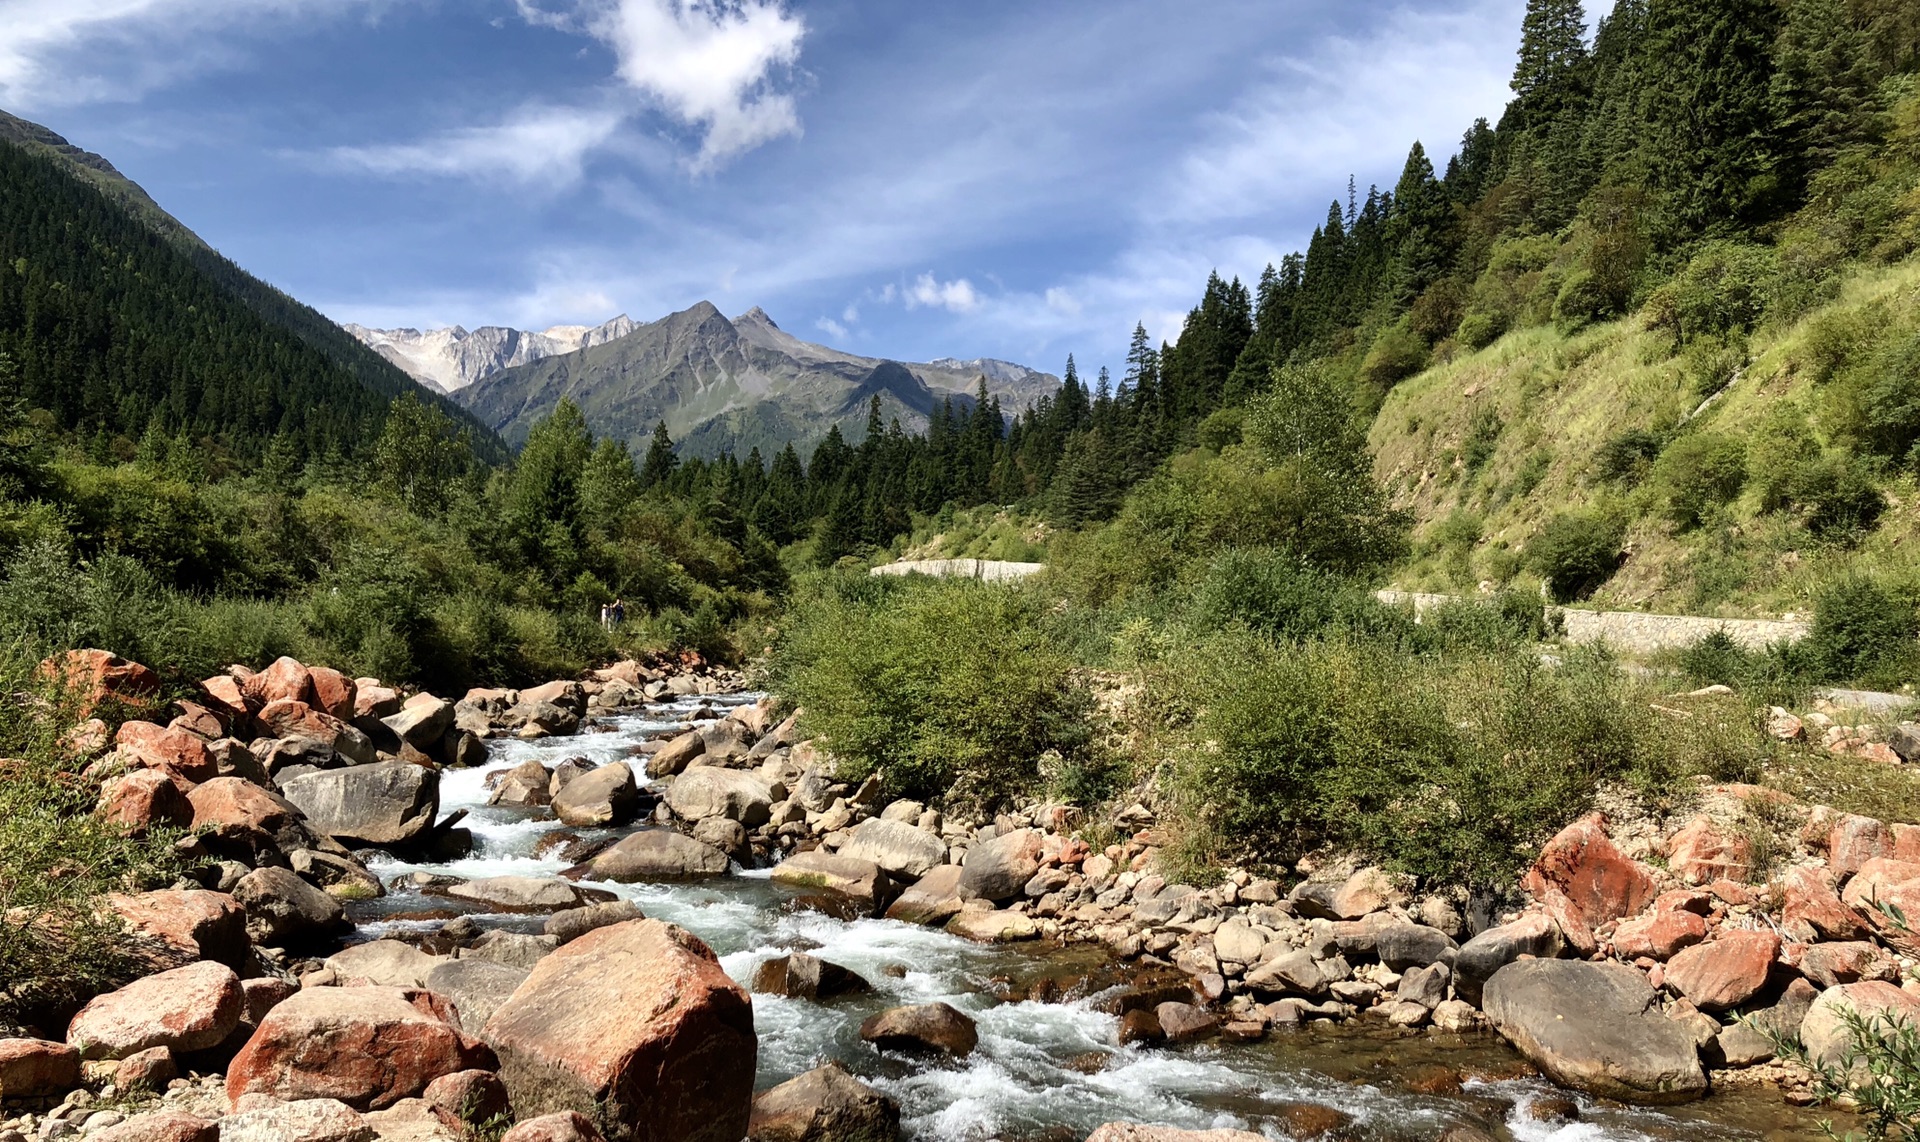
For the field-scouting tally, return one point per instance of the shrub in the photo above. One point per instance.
(1398, 353)
(1834, 494)
(1445, 768)
(1275, 594)
(1722, 290)
(1480, 328)
(1583, 299)
(1890, 402)
(1507, 620)
(1628, 455)
(1780, 674)
(1576, 552)
(1483, 436)
(949, 689)
(1700, 472)
(1864, 632)
(57, 946)
(1436, 313)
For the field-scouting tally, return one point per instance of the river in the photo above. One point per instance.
(1044, 1071)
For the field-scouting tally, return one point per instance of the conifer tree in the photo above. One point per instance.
(661, 459)
(1711, 129)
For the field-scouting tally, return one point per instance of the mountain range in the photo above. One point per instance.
(453, 358)
(735, 384)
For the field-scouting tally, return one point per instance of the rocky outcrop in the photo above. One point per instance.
(857, 881)
(635, 1026)
(285, 911)
(657, 854)
(1594, 1027)
(36, 1068)
(1000, 868)
(604, 796)
(901, 850)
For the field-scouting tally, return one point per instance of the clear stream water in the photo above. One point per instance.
(1027, 1080)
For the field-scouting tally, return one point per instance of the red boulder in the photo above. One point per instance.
(37, 1068)
(1814, 910)
(178, 754)
(286, 679)
(175, 927)
(1703, 852)
(635, 1026)
(1854, 840)
(1726, 971)
(143, 799)
(333, 692)
(1585, 880)
(90, 677)
(368, 1047)
(189, 1008)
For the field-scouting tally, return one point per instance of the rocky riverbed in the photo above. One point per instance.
(637, 898)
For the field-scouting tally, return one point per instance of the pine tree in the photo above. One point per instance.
(661, 459)
(1822, 94)
(1711, 127)
(1552, 49)
(608, 483)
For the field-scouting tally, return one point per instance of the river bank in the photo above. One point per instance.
(1094, 990)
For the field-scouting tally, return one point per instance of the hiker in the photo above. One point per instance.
(606, 616)
(619, 612)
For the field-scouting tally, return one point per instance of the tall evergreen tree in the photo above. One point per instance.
(1711, 127)
(661, 459)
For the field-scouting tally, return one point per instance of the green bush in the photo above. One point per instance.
(1890, 402)
(1834, 494)
(1480, 328)
(1722, 290)
(1864, 633)
(1398, 353)
(1507, 620)
(1576, 552)
(1274, 594)
(1583, 300)
(951, 690)
(1629, 455)
(1781, 674)
(1700, 472)
(57, 946)
(1448, 768)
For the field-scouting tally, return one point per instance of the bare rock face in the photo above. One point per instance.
(858, 881)
(1133, 1132)
(283, 910)
(567, 1126)
(824, 1105)
(178, 754)
(902, 850)
(925, 1027)
(385, 963)
(1585, 880)
(1824, 1030)
(476, 988)
(368, 1047)
(636, 1027)
(189, 1008)
(657, 854)
(1726, 971)
(933, 899)
(307, 1120)
(1594, 1027)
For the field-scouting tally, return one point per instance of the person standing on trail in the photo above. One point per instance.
(606, 616)
(619, 612)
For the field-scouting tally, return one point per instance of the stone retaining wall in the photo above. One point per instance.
(1635, 631)
(988, 570)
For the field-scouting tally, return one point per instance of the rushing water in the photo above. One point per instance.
(1042, 1071)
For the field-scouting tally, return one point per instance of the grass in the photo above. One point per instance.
(1575, 393)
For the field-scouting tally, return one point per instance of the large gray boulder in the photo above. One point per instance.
(860, 882)
(604, 796)
(704, 791)
(1824, 1031)
(388, 804)
(1474, 964)
(524, 785)
(657, 854)
(904, 851)
(824, 1105)
(518, 893)
(385, 963)
(1595, 1027)
(999, 869)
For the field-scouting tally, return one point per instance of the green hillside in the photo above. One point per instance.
(117, 319)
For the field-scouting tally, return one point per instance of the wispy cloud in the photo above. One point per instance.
(45, 45)
(832, 328)
(536, 144)
(712, 65)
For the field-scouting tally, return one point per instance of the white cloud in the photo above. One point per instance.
(956, 296)
(535, 144)
(831, 327)
(1061, 301)
(710, 64)
(851, 314)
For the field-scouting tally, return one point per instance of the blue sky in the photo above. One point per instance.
(913, 180)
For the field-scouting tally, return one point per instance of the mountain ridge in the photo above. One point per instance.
(724, 384)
